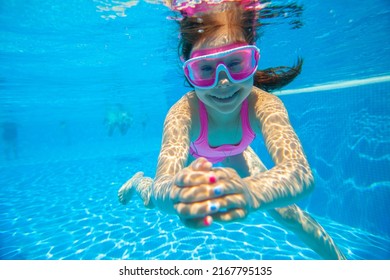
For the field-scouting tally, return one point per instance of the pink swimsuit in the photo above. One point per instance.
(201, 148)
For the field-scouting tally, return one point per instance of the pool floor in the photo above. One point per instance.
(69, 210)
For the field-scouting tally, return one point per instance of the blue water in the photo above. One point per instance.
(63, 62)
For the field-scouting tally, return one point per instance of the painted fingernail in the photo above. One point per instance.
(212, 179)
(218, 190)
(207, 221)
(213, 207)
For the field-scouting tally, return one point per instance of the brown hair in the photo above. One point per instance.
(237, 25)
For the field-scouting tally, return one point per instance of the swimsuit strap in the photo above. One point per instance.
(204, 122)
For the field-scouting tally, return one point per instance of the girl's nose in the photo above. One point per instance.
(223, 79)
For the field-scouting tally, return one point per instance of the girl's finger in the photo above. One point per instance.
(231, 215)
(198, 222)
(228, 202)
(201, 164)
(195, 210)
(205, 192)
(194, 178)
(210, 207)
(202, 192)
(225, 172)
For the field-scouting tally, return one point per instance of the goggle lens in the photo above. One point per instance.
(239, 64)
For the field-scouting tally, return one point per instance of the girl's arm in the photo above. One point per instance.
(291, 178)
(173, 154)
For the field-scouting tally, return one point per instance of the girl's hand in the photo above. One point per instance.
(234, 199)
(191, 193)
(201, 193)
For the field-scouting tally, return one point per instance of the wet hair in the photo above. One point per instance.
(230, 22)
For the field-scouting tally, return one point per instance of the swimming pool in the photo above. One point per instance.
(63, 63)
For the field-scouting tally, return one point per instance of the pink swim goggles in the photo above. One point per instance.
(238, 61)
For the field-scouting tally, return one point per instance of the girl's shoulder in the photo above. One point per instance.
(184, 114)
(260, 98)
(185, 104)
(262, 104)
(185, 110)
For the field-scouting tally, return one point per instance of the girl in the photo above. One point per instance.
(206, 169)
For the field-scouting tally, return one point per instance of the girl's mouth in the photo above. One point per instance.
(224, 99)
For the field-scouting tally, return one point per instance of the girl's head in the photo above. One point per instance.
(209, 26)
(222, 24)
(220, 60)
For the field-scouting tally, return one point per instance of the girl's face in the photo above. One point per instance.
(226, 96)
